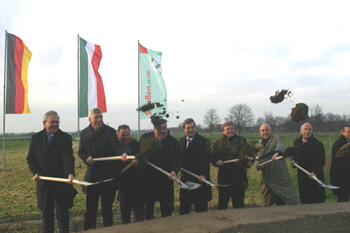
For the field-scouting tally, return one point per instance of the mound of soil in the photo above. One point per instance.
(320, 218)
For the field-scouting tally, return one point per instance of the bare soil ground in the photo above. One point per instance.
(318, 218)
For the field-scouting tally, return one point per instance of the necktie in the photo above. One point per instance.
(49, 137)
(188, 142)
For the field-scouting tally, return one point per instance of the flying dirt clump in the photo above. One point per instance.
(280, 96)
(149, 106)
(300, 112)
(162, 114)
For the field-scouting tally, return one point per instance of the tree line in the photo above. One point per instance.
(242, 116)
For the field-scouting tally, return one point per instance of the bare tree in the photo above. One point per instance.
(211, 119)
(241, 115)
(345, 118)
(260, 121)
(279, 122)
(316, 117)
(270, 119)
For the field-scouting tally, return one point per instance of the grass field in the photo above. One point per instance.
(19, 213)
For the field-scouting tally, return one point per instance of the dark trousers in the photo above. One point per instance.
(139, 213)
(48, 216)
(126, 205)
(237, 198)
(342, 198)
(343, 193)
(166, 208)
(93, 194)
(200, 206)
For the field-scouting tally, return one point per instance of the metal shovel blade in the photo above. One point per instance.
(100, 182)
(189, 185)
(321, 184)
(329, 186)
(216, 185)
(221, 185)
(205, 181)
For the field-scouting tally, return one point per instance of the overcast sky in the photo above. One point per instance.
(215, 54)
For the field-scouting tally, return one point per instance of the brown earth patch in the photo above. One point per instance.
(320, 218)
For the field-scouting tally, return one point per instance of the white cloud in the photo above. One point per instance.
(215, 55)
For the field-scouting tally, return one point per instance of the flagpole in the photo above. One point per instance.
(4, 109)
(138, 86)
(78, 85)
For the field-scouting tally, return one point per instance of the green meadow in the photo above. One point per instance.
(19, 213)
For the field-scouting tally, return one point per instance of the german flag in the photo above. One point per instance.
(18, 57)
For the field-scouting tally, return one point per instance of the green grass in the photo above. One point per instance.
(18, 191)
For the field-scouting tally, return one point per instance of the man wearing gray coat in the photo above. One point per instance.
(277, 187)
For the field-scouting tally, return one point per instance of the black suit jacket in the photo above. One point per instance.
(196, 159)
(55, 160)
(340, 168)
(102, 142)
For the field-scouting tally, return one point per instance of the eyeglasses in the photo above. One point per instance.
(54, 122)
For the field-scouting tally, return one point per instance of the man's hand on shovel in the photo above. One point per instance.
(220, 162)
(172, 175)
(201, 178)
(70, 178)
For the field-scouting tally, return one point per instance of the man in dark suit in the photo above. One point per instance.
(96, 141)
(51, 154)
(132, 190)
(166, 155)
(340, 167)
(312, 158)
(195, 156)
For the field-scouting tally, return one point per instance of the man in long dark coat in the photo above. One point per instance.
(132, 192)
(340, 166)
(166, 155)
(96, 141)
(51, 154)
(195, 157)
(312, 158)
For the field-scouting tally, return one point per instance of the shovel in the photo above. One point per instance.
(237, 160)
(205, 181)
(112, 158)
(269, 161)
(188, 185)
(321, 184)
(288, 153)
(231, 161)
(81, 182)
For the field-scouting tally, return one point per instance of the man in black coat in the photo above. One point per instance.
(166, 155)
(96, 141)
(312, 158)
(340, 166)
(132, 192)
(231, 146)
(195, 157)
(51, 154)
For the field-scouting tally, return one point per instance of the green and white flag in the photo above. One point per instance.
(152, 86)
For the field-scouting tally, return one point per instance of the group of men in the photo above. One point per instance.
(140, 185)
